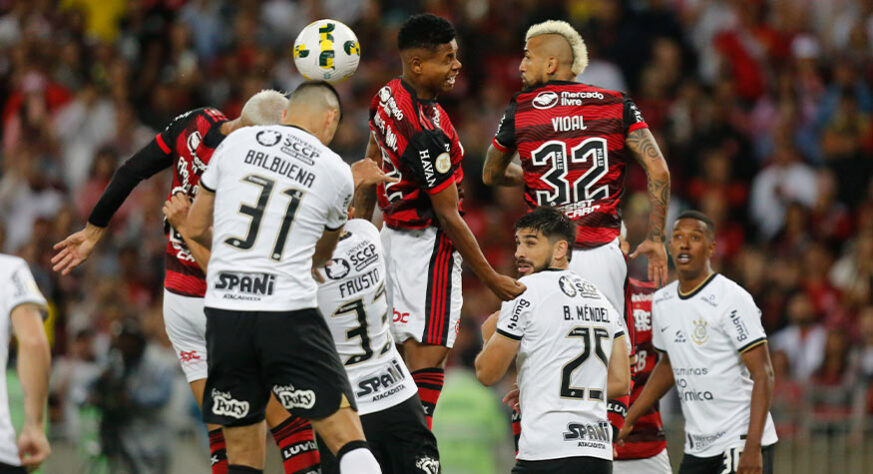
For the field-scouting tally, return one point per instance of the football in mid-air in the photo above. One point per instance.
(328, 50)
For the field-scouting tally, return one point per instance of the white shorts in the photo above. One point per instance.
(423, 285)
(185, 322)
(606, 267)
(657, 464)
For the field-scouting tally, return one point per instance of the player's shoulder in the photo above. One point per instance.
(666, 293)
(395, 99)
(208, 114)
(729, 291)
(10, 263)
(363, 228)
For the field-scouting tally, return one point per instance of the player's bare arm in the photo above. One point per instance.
(649, 156)
(367, 175)
(176, 210)
(499, 170)
(618, 380)
(494, 360)
(757, 360)
(659, 383)
(445, 205)
(199, 222)
(34, 362)
(325, 246)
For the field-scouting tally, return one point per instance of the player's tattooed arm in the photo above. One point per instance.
(499, 170)
(648, 155)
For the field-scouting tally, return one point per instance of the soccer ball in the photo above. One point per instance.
(327, 49)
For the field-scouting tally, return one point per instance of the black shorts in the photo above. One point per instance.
(290, 353)
(574, 465)
(724, 463)
(7, 469)
(399, 439)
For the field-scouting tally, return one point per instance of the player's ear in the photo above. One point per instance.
(551, 65)
(415, 64)
(560, 250)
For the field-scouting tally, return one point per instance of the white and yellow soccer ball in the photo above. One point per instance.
(328, 50)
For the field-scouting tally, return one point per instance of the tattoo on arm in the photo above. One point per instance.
(649, 156)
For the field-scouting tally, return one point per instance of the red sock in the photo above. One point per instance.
(217, 452)
(516, 429)
(296, 441)
(430, 384)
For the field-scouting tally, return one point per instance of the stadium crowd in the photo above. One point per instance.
(762, 108)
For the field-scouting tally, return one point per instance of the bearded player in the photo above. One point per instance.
(424, 236)
(573, 140)
(186, 145)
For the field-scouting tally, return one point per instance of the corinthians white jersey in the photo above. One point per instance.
(277, 188)
(17, 287)
(352, 299)
(704, 333)
(566, 328)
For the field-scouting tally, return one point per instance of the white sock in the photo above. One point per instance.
(358, 460)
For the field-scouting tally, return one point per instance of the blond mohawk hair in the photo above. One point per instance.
(577, 44)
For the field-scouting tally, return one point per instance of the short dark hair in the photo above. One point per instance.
(553, 223)
(697, 215)
(318, 83)
(424, 31)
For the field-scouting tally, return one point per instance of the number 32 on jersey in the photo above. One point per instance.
(564, 190)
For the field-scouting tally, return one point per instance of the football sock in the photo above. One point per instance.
(237, 469)
(355, 458)
(296, 442)
(430, 384)
(217, 452)
(516, 428)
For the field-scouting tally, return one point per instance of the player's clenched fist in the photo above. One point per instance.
(176, 210)
(506, 288)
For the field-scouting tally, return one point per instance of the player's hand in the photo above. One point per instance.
(623, 432)
(751, 462)
(33, 447)
(511, 398)
(176, 210)
(367, 173)
(76, 248)
(506, 288)
(657, 254)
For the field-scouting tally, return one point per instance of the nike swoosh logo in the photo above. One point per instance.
(664, 328)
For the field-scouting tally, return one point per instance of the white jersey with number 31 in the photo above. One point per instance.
(277, 188)
(566, 328)
(353, 301)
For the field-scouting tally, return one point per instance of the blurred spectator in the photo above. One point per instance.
(832, 394)
(71, 380)
(131, 391)
(803, 341)
(783, 181)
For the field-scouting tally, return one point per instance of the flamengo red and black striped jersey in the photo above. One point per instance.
(188, 142)
(187, 145)
(571, 141)
(419, 146)
(647, 438)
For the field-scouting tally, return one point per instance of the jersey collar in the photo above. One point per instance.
(700, 287)
(553, 82)
(412, 93)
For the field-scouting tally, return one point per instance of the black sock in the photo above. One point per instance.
(238, 469)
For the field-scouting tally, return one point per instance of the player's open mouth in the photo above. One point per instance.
(683, 258)
(451, 80)
(524, 267)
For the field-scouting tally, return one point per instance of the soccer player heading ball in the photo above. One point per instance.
(424, 235)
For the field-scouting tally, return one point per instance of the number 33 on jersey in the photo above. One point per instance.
(570, 138)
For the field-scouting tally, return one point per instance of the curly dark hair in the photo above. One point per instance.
(425, 31)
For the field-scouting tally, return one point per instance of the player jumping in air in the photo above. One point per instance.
(424, 236)
(186, 145)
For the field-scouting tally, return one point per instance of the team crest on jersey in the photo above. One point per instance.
(567, 286)
(545, 100)
(699, 335)
(337, 268)
(268, 137)
(428, 465)
(443, 163)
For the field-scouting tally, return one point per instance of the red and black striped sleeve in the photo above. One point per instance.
(632, 117)
(504, 139)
